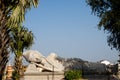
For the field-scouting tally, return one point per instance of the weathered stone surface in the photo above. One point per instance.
(31, 69)
(33, 56)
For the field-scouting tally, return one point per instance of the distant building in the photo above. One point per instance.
(9, 72)
(106, 62)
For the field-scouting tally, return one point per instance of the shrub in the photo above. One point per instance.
(15, 76)
(73, 75)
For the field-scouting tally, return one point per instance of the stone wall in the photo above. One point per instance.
(44, 76)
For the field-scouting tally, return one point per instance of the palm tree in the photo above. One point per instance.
(4, 48)
(4, 37)
(18, 11)
(22, 39)
(12, 14)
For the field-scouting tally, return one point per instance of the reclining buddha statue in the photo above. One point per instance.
(43, 63)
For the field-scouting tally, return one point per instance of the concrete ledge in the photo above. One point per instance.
(44, 76)
(43, 73)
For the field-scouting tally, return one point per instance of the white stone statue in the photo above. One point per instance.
(43, 63)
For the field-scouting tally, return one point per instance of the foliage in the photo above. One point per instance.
(22, 39)
(4, 48)
(4, 39)
(12, 14)
(73, 75)
(15, 76)
(108, 12)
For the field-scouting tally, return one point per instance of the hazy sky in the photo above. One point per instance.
(68, 28)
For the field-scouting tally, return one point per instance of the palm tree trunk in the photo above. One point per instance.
(18, 65)
(4, 54)
(4, 44)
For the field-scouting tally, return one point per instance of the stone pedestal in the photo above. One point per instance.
(44, 76)
(33, 74)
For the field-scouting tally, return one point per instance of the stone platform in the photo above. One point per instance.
(44, 76)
